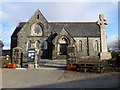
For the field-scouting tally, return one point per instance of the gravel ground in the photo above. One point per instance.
(73, 75)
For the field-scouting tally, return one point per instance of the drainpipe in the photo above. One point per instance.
(87, 46)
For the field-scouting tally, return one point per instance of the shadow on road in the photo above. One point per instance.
(97, 83)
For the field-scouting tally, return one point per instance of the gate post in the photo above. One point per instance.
(17, 56)
(36, 58)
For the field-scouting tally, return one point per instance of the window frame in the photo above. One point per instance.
(96, 48)
(34, 26)
(36, 44)
(45, 45)
(28, 44)
(80, 45)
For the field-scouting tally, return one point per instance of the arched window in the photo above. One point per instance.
(36, 29)
(96, 45)
(37, 44)
(45, 45)
(28, 44)
(80, 45)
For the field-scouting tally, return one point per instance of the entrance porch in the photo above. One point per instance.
(63, 43)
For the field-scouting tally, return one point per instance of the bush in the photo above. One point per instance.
(115, 55)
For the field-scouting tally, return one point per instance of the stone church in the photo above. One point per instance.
(50, 40)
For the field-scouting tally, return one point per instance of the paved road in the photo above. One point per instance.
(29, 78)
(54, 78)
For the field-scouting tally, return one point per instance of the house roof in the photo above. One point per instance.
(18, 28)
(77, 29)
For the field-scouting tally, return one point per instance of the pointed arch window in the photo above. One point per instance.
(36, 29)
(96, 45)
(80, 45)
(37, 44)
(28, 44)
(45, 45)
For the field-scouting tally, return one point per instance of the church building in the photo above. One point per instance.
(51, 40)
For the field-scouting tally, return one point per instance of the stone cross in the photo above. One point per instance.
(102, 22)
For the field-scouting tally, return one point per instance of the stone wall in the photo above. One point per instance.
(25, 34)
(92, 51)
(6, 60)
(87, 50)
(82, 53)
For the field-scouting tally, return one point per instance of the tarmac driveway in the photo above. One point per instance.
(55, 78)
(29, 78)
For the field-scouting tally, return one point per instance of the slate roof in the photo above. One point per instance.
(77, 29)
(18, 28)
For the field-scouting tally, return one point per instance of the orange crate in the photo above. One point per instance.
(70, 67)
(11, 65)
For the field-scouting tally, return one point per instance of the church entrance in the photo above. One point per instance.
(63, 43)
(63, 49)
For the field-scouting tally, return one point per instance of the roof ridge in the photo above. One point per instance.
(72, 22)
(67, 22)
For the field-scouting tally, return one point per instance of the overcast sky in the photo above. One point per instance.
(11, 13)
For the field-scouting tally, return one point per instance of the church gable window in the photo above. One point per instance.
(38, 16)
(37, 44)
(96, 45)
(80, 45)
(45, 45)
(36, 30)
